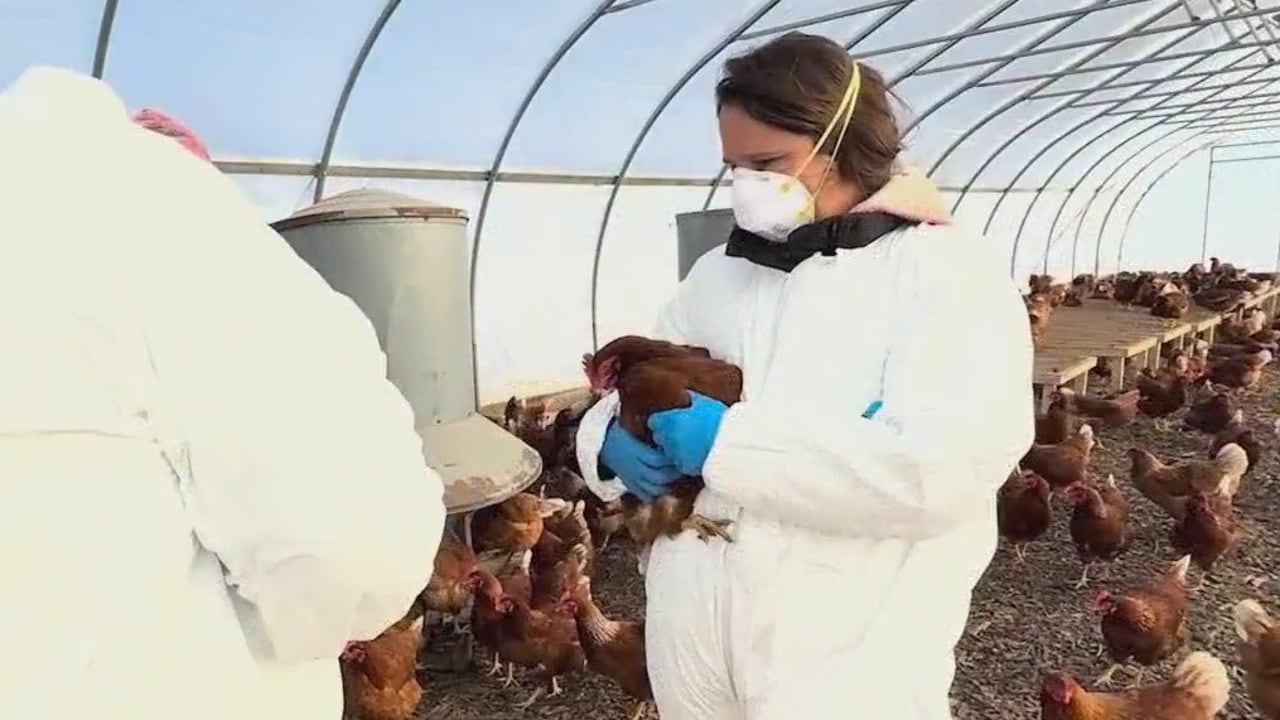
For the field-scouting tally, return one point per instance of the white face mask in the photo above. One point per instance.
(770, 204)
(773, 204)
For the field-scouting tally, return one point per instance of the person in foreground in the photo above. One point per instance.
(207, 484)
(887, 395)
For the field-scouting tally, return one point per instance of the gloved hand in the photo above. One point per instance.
(643, 470)
(686, 434)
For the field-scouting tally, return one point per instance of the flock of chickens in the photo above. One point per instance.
(1145, 625)
(518, 575)
(515, 578)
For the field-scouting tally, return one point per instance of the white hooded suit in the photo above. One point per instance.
(207, 484)
(856, 541)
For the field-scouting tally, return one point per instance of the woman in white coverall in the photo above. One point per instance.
(207, 485)
(887, 369)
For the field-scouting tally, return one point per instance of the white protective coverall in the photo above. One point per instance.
(856, 542)
(187, 408)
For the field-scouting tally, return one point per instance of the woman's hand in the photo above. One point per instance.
(686, 434)
(643, 470)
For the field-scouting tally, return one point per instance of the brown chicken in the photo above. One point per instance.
(1238, 433)
(1197, 690)
(1220, 300)
(653, 383)
(486, 619)
(1125, 288)
(550, 581)
(1057, 424)
(1162, 398)
(562, 530)
(1065, 463)
(554, 442)
(1022, 509)
(1206, 531)
(1249, 346)
(1212, 412)
(450, 587)
(562, 481)
(1099, 523)
(1155, 479)
(1113, 412)
(605, 519)
(1171, 304)
(1040, 311)
(534, 638)
(1259, 656)
(512, 526)
(1147, 624)
(1243, 371)
(613, 361)
(613, 648)
(380, 675)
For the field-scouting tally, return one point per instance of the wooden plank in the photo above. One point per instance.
(1107, 329)
(554, 402)
(1054, 369)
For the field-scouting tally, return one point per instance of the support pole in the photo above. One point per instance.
(1208, 188)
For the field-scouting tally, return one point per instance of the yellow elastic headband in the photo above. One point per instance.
(847, 105)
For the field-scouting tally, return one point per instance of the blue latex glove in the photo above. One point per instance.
(643, 470)
(686, 434)
(872, 409)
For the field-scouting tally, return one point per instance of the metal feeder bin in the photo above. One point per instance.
(698, 232)
(404, 262)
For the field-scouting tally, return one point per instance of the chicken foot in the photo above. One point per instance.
(1108, 677)
(1084, 576)
(640, 709)
(707, 528)
(511, 675)
(555, 690)
(497, 666)
(1019, 553)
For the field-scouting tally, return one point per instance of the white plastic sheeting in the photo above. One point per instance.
(1075, 107)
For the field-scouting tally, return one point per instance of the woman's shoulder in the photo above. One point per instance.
(937, 252)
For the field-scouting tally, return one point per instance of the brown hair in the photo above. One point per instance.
(796, 82)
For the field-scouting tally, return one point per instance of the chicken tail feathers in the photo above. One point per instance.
(1251, 620)
(1205, 677)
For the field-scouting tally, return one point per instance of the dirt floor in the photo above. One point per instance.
(1026, 618)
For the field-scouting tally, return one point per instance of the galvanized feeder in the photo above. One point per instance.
(404, 262)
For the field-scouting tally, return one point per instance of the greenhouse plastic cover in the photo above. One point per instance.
(1081, 135)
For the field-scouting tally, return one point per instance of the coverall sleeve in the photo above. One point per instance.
(305, 473)
(957, 416)
(670, 326)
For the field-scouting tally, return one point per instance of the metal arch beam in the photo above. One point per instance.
(495, 167)
(1059, 74)
(1178, 106)
(1026, 213)
(1076, 238)
(809, 22)
(340, 108)
(857, 38)
(1070, 104)
(1137, 83)
(1078, 44)
(725, 41)
(1072, 17)
(104, 37)
(1024, 94)
(1102, 228)
(1115, 148)
(1079, 149)
(976, 26)
(1029, 44)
